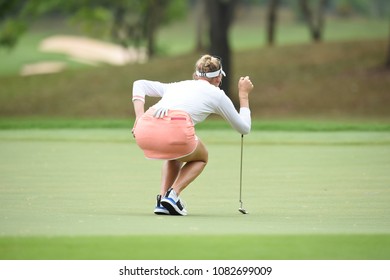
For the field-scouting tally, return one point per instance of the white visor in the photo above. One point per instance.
(211, 74)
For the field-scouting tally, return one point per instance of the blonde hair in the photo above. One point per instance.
(207, 63)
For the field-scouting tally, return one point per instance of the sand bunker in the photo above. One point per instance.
(42, 68)
(83, 50)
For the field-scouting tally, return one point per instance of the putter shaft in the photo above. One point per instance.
(241, 209)
(242, 150)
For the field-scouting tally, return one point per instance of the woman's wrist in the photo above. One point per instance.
(244, 100)
(243, 95)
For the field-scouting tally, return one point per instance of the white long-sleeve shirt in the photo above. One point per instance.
(198, 98)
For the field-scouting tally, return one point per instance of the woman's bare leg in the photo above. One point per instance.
(194, 165)
(170, 171)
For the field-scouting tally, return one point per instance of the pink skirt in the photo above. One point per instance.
(168, 138)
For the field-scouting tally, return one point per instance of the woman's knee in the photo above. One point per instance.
(203, 153)
(200, 154)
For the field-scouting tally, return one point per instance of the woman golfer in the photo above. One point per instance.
(166, 130)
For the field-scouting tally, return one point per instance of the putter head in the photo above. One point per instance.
(242, 210)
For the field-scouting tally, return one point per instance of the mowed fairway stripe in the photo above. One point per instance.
(224, 247)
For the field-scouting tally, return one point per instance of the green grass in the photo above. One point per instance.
(209, 247)
(69, 194)
(249, 36)
(249, 32)
(212, 123)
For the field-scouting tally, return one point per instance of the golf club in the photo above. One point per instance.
(241, 209)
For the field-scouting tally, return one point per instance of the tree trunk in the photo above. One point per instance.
(221, 16)
(387, 63)
(315, 22)
(154, 15)
(200, 21)
(271, 21)
(151, 23)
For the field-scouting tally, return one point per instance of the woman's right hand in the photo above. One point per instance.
(245, 86)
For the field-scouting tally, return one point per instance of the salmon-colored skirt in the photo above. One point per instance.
(168, 138)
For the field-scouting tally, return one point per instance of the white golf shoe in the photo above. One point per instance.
(173, 204)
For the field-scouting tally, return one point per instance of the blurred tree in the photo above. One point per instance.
(221, 16)
(201, 24)
(271, 21)
(10, 26)
(314, 17)
(124, 21)
(130, 21)
(381, 8)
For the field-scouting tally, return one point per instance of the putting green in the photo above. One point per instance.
(72, 183)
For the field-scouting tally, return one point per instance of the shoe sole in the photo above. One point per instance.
(171, 206)
(161, 212)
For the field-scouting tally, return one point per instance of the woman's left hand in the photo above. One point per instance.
(160, 113)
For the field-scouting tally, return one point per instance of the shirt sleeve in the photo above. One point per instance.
(240, 121)
(142, 88)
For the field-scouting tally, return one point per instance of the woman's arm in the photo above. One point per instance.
(139, 108)
(240, 121)
(142, 88)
